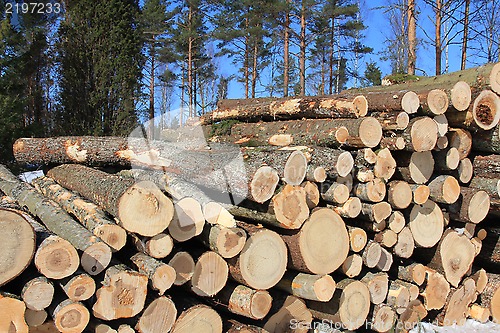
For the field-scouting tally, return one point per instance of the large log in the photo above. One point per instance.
(159, 316)
(197, 318)
(90, 215)
(96, 254)
(426, 224)
(209, 275)
(321, 245)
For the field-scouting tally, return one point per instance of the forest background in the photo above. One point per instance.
(105, 67)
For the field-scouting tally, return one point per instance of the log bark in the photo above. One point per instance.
(120, 197)
(78, 287)
(183, 264)
(390, 101)
(307, 286)
(263, 260)
(393, 142)
(70, 316)
(122, 295)
(490, 297)
(413, 273)
(486, 165)
(159, 316)
(87, 213)
(12, 312)
(378, 286)
(490, 185)
(395, 120)
(161, 276)
(210, 274)
(487, 141)
(96, 254)
(320, 246)
(426, 223)
(233, 326)
(227, 242)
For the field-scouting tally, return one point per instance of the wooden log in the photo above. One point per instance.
(461, 96)
(386, 260)
(37, 293)
(183, 264)
(227, 242)
(393, 142)
(385, 165)
(70, 316)
(290, 207)
(292, 316)
(336, 162)
(405, 244)
(461, 140)
(161, 276)
(349, 306)
(122, 295)
(481, 279)
(78, 287)
(56, 258)
(442, 128)
(447, 159)
(188, 220)
(457, 305)
(479, 313)
(210, 274)
(398, 297)
(413, 273)
(399, 194)
(486, 165)
(426, 223)
(442, 143)
(415, 167)
(387, 238)
(436, 290)
(472, 206)
(35, 318)
(321, 245)
(125, 328)
(490, 185)
(336, 193)
(444, 189)
(396, 120)
(378, 286)
(158, 246)
(421, 134)
(296, 108)
(482, 115)
(96, 254)
(465, 171)
(87, 213)
(372, 254)
(312, 193)
(413, 314)
(198, 318)
(263, 260)
(394, 100)
(120, 197)
(253, 216)
(376, 212)
(159, 316)
(233, 326)
(413, 289)
(372, 191)
(487, 141)
(453, 257)
(490, 297)
(316, 173)
(433, 102)
(420, 193)
(357, 238)
(244, 301)
(352, 265)
(12, 314)
(18, 240)
(307, 286)
(396, 221)
(350, 209)
(381, 318)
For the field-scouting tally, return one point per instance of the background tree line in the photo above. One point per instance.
(103, 67)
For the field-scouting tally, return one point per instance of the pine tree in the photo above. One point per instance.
(373, 75)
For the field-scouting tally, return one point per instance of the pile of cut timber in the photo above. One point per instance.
(369, 209)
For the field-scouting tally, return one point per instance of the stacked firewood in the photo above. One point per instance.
(368, 209)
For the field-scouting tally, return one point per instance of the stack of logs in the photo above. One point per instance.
(359, 210)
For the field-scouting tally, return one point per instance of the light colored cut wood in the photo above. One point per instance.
(436, 290)
(312, 193)
(158, 246)
(420, 193)
(12, 312)
(479, 313)
(372, 191)
(352, 266)
(336, 193)
(413, 273)
(70, 316)
(385, 166)
(357, 238)
(461, 96)
(444, 189)
(382, 318)
(396, 221)
(35, 318)
(183, 264)
(161, 276)
(188, 220)
(37, 293)
(472, 206)
(398, 297)
(378, 286)
(198, 318)
(448, 159)
(386, 238)
(426, 223)
(159, 316)
(307, 286)
(376, 212)
(290, 207)
(244, 301)
(350, 209)
(210, 274)
(227, 242)
(293, 309)
(56, 258)
(295, 168)
(399, 194)
(415, 167)
(405, 244)
(372, 254)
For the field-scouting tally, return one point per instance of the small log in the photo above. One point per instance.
(357, 238)
(125, 328)
(254, 216)
(244, 301)
(396, 221)
(159, 316)
(394, 100)
(120, 197)
(122, 295)
(453, 257)
(87, 213)
(161, 276)
(263, 260)
(396, 120)
(12, 312)
(385, 166)
(378, 286)
(350, 209)
(349, 306)
(372, 254)
(444, 189)
(198, 318)
(336, 162)
(56, 258)
(37, 293)
(387, 238)
(434, 102)
(405, 244)
(35, 318)
(413, 289)
(479, 313)
(290, 207)
(352, 265)
(415, 167)
(442, 127)
(307, 286)
(183, 264)
(336, 193)
(372, 191)
(420, 193)
(457, 305)
(363, 132)
(70, 316)
(376, 212)
(441, 143)
(78, 287)
(482, 115)
(461, 140)
(436, 290)
(413, 314)
(210, 274)
(426, 223)
(381, 318)
(385, 262)
(398, 297)
(320, 246)
(447, 159)
(413, 273)
(421, 134)
(18, 243)
(464, 171)
(227, 242)
(393, 142)
(292, 316)
(481, 279)
(312, 194)
(158, 246)
(472, 206)
(399, 194)
(460, 96)
(188, 220)
(490, 297)
(316, 173)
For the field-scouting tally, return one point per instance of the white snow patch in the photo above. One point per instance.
(470, 326)
(30, 175)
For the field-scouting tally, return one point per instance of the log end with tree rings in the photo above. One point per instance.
(444, 189)
(461, 96)
(71, 317)
(426, 224)
(486, 110)
(210, 274)
(144, 209)
(159, 316)
(456, 255)
(198, 318)
(183, 264)
(370, 132)
(410, 102)
(18, 245)
(56, 258)
(495, 78)
(345, 163)
(96, 258)
(295, 168)
(437, 101)
(341, 134)
(402, 120)
(421, 166)
(361, 105)
(280, 140)
(424, 134)
(466, 171)
(264, 183)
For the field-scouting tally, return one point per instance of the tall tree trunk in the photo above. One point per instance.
(438, 44)
(190, 62)
(183, 98)
(303, 46)
(412, 38)
(254, 66)
(330, 60)
(152, 91)
(286, 54)
(465, 35)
